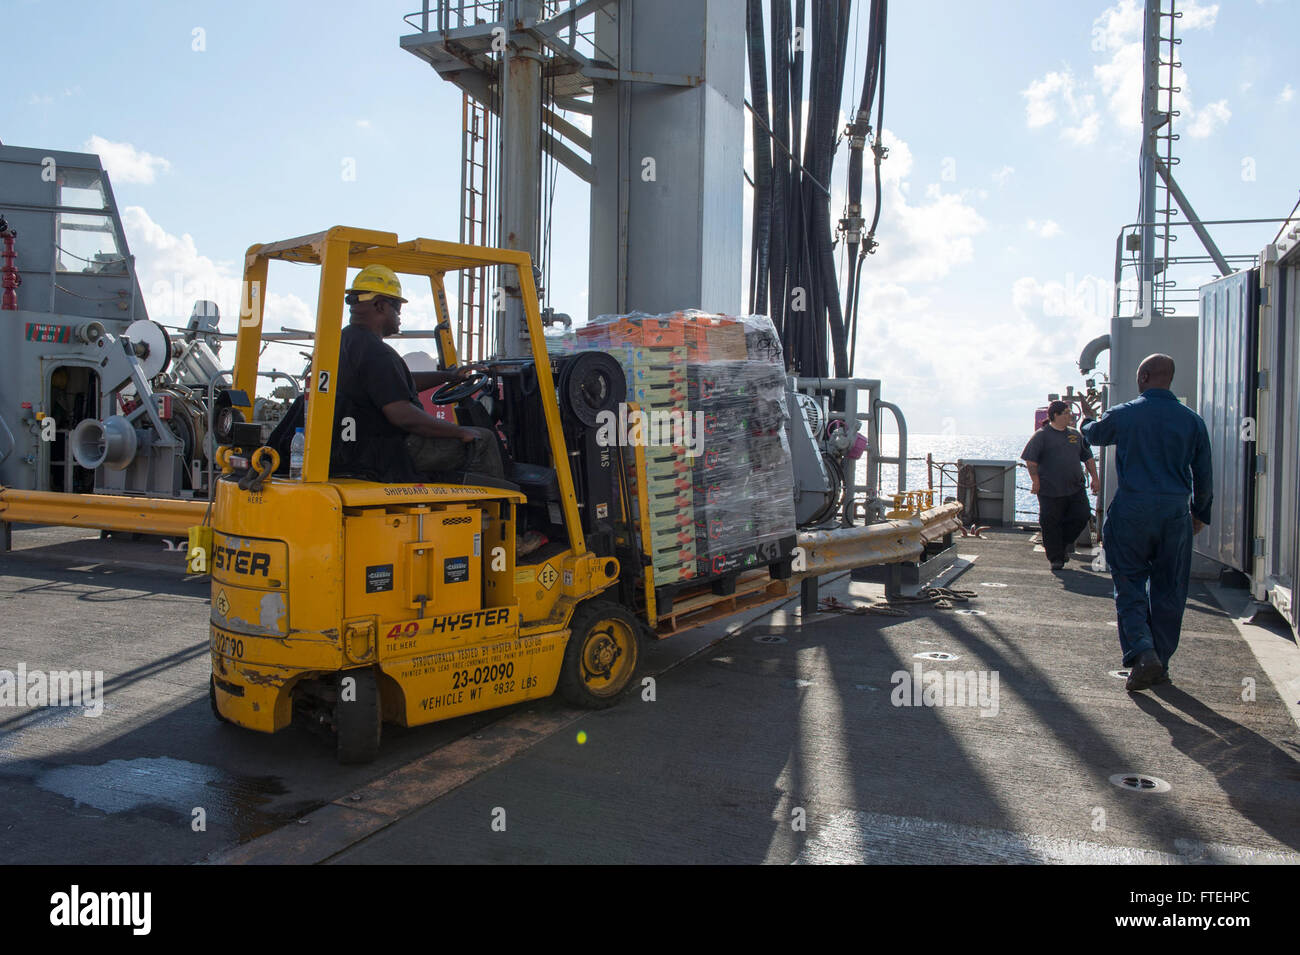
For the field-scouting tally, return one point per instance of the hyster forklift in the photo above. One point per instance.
(358, 603)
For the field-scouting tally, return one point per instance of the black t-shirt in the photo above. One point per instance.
(371, 374)
(1058, 455)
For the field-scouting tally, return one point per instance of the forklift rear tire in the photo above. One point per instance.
(212, 699)
(358, 719)
(602, 655)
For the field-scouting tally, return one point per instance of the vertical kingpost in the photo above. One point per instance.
(521, 161)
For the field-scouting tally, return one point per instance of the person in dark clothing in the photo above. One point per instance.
(1053, 456)
(1162, 457)
(380, 431)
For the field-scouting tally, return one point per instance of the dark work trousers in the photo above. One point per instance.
(482, 455)
(1062, 520)
(1148, 544)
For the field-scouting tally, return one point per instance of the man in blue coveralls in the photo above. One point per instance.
(1162, 456)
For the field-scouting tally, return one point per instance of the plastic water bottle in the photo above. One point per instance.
(295, 454)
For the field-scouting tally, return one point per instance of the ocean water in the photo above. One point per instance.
(947, 447)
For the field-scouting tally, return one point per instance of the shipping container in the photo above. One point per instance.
(1227, 360)
(1276, 546)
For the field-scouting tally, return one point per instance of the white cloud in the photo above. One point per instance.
(1003, 174)
(1117, 25)
(124, 162)
(1009, 358)
(922, 241)
(898, 166)
(1197, 17)
(1287, 94)
(1086, 300)
(1207, 119)
(1059, 97)
(1047, 229)
(1120, 80)
(363, 124)
(1040, 105)
(173, 275)
(1086, 130)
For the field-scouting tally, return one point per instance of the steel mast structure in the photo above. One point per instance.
(1150, 318)
(664, 157)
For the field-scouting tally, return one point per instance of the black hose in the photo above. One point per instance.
(778, 300)
(873, 87)
(853, 269)
(761, 230)
(837, 26)
(794, 272)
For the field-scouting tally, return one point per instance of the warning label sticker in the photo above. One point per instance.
(455, 570)
(547, 576)
(379, 577)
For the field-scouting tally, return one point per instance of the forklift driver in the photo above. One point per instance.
(390, 437)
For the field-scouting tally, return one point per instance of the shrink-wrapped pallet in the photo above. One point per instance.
(711, 389)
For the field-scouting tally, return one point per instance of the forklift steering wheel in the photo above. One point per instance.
(453, 392)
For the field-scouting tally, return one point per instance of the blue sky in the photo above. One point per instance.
(1013, 127)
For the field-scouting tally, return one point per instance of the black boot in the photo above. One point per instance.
(1146, 670)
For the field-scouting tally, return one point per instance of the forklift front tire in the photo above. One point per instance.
(601, 658)
(358, 716)
(212, 699)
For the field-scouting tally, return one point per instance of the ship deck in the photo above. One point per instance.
(768, 739)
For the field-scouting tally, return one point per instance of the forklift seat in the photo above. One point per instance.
(539, 483)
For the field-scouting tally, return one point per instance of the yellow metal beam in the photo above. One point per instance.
(319, 428)
(247, 342)
(643, 506)
(446, 345)
(143, 515)
(307, 248)
(885, 543)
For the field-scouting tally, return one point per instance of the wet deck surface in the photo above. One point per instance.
(755, 733)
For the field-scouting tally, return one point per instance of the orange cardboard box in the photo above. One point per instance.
(662, 333)
(624, 332)
(593, 336)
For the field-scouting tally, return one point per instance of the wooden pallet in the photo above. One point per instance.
(700, 605)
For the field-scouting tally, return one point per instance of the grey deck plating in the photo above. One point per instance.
(743, 739)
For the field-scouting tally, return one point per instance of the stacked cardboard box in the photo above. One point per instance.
(743, 481)
(653, 355)
(719, 483)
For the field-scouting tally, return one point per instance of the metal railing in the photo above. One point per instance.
(1127, 297)
(446, 16)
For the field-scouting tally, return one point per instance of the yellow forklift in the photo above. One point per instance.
(359, 603)
(351, 603)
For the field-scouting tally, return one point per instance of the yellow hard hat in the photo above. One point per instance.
(376, 280)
